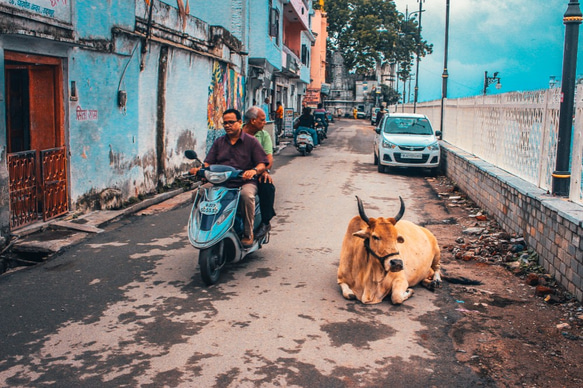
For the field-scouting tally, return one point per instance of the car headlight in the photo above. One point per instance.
(433, 147)
(388, 144)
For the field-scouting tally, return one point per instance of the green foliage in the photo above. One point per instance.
(371, 33)
(390, 95)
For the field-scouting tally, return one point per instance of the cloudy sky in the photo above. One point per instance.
(523, 40)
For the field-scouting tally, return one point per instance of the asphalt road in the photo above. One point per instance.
(128, 308)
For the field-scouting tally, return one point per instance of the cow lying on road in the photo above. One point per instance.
(386, 255)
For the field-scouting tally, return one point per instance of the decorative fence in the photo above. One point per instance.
(516, 132)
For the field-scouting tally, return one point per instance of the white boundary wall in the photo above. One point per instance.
(516, 132)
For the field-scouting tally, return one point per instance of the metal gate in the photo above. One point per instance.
(28, 198)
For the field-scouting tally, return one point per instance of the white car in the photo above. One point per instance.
(406, 140)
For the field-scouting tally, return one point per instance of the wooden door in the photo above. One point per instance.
(35, 130)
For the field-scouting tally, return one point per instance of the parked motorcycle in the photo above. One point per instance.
(215, 224)
(304, 142)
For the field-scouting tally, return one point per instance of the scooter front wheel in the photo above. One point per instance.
(210, 261)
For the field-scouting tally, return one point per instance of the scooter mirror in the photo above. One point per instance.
(190, 154)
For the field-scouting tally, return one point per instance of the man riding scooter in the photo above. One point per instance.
(241, 151)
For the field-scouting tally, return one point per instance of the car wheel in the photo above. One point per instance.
(380, 168)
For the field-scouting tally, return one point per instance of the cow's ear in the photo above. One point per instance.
(361, 234)
(400, 239)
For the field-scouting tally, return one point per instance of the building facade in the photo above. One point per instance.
(318, 89)
(101, 99)
(279, 52)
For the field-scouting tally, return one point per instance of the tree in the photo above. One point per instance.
(390, 95)
(370, 33)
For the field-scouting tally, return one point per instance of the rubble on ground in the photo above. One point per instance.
(484, 241)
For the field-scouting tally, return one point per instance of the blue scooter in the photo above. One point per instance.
(215, 224)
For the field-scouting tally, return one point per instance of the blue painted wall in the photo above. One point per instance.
(261, 45)
(96, 18)
(116, 147)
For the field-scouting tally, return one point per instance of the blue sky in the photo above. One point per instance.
(523, 40)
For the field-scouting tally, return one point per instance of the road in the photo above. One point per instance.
(128, 308)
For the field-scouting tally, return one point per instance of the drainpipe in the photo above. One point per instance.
(160, 117)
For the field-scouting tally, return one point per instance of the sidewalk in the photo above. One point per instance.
(46, 238)
(34, 243)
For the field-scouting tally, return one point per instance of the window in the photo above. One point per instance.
(274, 24)
(304, 54)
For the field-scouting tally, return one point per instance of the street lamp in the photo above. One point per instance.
(562, 174)
(490, 80)
(553, 81)
(418, 53)
(445, 74)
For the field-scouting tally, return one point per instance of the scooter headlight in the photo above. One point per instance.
(216, 177)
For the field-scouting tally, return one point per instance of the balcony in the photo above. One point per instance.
(296, 13)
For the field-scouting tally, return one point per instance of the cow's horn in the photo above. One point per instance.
(401, 210)
(361, 210)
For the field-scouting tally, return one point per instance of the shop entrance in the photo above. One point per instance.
(37, 157)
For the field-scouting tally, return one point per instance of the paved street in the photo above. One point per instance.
(128, 308)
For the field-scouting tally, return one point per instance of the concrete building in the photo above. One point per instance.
(318, 89)
(102, 98)
(279, 52)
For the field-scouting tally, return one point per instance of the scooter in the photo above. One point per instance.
(304, 142)
(215, 225)
(321, 131)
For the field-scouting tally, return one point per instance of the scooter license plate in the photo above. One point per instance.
(209, 208)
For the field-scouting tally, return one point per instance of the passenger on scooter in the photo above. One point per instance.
(306, 122)
(254, 124)
(241, 151)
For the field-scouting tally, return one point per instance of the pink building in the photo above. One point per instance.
(318, 84)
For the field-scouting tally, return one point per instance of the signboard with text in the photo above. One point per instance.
(312, 97)
(59, 10)
(288, 122)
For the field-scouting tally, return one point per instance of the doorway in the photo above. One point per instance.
(37, 157)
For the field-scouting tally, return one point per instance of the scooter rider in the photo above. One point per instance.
(254, 124)
(241, 151)
(320, 113)
(306, 122)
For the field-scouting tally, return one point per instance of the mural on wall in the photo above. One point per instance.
(225, 91)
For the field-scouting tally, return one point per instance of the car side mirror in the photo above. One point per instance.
(438, 133)
(377, 130)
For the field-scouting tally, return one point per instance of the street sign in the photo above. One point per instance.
(288, 122)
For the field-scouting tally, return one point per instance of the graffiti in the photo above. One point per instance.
(226, 91)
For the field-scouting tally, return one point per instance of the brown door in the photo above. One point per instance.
(35, 132)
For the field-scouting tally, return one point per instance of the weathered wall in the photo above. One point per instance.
(552, 226)
(177, 84)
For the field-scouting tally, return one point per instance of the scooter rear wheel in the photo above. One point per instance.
(210, 261)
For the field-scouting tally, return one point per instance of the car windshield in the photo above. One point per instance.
(408, 126)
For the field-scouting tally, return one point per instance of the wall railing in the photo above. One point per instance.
(515, 131)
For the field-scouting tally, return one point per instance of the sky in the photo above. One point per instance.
(522, 40)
